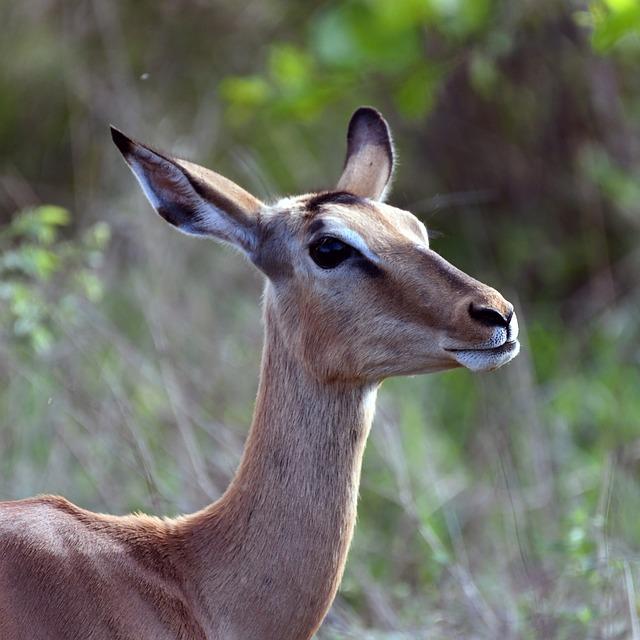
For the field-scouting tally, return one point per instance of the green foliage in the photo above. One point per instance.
(614, 22)
(352, 42)
(36, 265)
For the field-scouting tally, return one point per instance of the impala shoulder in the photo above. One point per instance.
(36, 527)
(15, 512)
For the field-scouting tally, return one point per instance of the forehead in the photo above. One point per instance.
(376, 221)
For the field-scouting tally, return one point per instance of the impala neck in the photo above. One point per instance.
(285, 523)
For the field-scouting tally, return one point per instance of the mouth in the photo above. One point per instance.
(486, 359)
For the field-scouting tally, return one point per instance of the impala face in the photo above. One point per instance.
(353, 286)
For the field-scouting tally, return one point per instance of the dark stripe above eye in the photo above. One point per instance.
(333, 197)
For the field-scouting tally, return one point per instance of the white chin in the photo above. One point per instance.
(486, 359)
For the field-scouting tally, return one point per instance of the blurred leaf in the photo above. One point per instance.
(90, 284)
(290, 67)
(462, 17)
(357, 36)
(614, 20)
(52, 215)
(417, 92)
(35, 265)
(244, 95)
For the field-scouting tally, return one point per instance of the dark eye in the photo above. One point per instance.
(329, 252)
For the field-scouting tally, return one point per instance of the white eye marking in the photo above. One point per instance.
(350, 237)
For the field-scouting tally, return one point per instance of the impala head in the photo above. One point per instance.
(354, 288)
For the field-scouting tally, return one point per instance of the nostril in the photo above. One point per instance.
(489, 316)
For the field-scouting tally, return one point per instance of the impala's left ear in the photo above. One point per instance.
(193, 199)
(369, 163)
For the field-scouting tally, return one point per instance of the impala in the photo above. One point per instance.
(353, 295)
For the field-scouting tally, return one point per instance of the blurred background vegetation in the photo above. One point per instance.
(493, 506)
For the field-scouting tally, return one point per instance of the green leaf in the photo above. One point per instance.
(97, 237)
(246, 91)
(52, 215)
(357, 37)
(31, 260)
(41, 339)
(416, 94)
(613, 21)
(289, 67)
(90, 284)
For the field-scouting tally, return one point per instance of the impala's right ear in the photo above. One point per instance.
(193, 199)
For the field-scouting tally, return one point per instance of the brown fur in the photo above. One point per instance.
(263, 562)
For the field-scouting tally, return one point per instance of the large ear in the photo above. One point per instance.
(369, 163)
(193, 199)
